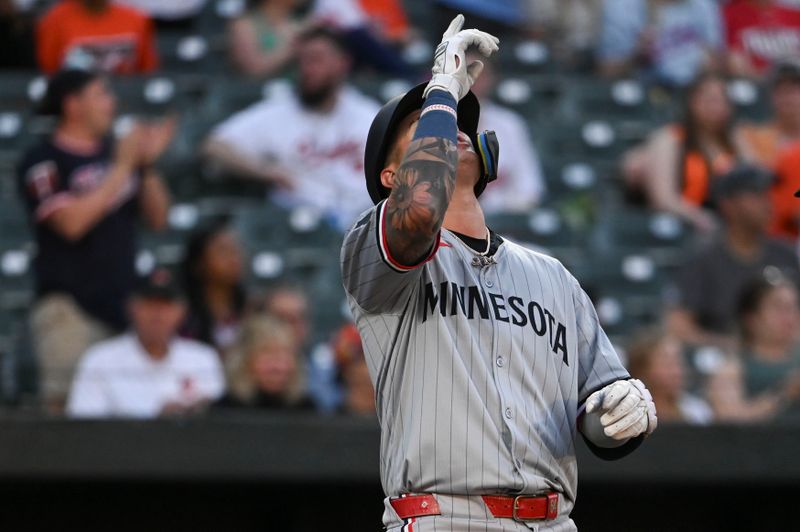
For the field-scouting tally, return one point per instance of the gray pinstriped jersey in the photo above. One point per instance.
(479, 365)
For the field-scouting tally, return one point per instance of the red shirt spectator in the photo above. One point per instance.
(786, 207)
(760, 32)
(97, 35)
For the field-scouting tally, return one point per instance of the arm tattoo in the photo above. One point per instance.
(422, 189)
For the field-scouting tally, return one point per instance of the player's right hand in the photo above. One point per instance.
(450, 71)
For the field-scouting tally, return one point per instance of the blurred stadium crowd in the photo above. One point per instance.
(176, 176)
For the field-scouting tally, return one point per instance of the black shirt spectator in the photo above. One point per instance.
(710, 283)
(85, 190)
(98, 270)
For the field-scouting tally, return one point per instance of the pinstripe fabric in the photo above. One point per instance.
(479, 370)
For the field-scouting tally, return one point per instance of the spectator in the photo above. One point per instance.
(96, 35)
(213, 271)
(359, 396)
(765, 380)
(16, 37)
(265, 370)
(786, 207)
(776, 145)
(263, 41)
(520, 183)
(289, 304)
(710, 283)
(309, 144)
(389, 18)
(670, 41)
(760, 32)
(85, 192)
(148, 372)
(656, 358)
(679, 163)
(570, 26)
(367, 47)
(769, 141)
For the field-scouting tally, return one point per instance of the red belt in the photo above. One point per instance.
(520, 508)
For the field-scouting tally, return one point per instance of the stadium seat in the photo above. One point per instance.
(544, 227)
(524, 55)
(159, 95)
(16, 277)
(330, 309)
(295, 241)
(229, 96)
(750, 99)
(629, 285)
(536, 97)
(663, 236)
(182, 52)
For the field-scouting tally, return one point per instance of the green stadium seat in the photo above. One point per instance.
(751, 100)
(216, 14)
(524, 56)
(330, 310)
(20, 91)
(182, 52)
(159, 95)
(229, 96)
(16, 277)
(544, 227)
(661, 235)
(536, 97)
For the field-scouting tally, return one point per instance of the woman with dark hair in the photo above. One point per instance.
(765, 380)
(675, 168)
(656, 357)
(212, 273)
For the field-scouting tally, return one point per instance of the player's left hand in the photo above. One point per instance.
(627, 409)
(450, 70)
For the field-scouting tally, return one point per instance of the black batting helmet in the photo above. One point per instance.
(382, 134)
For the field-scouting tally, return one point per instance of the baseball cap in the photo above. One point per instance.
(62, 84)
(742, 178)
(158, 284)
(784, 70)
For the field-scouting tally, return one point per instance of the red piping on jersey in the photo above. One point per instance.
(388, 255)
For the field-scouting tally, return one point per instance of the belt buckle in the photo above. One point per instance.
(515, 508)
(551, 511)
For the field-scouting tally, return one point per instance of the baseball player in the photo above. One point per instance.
(487, 358)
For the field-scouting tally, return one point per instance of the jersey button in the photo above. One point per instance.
(500, 362)
(489, 283)
(509, 413)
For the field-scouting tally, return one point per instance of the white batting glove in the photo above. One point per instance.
(450, 71)
(627, 409)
